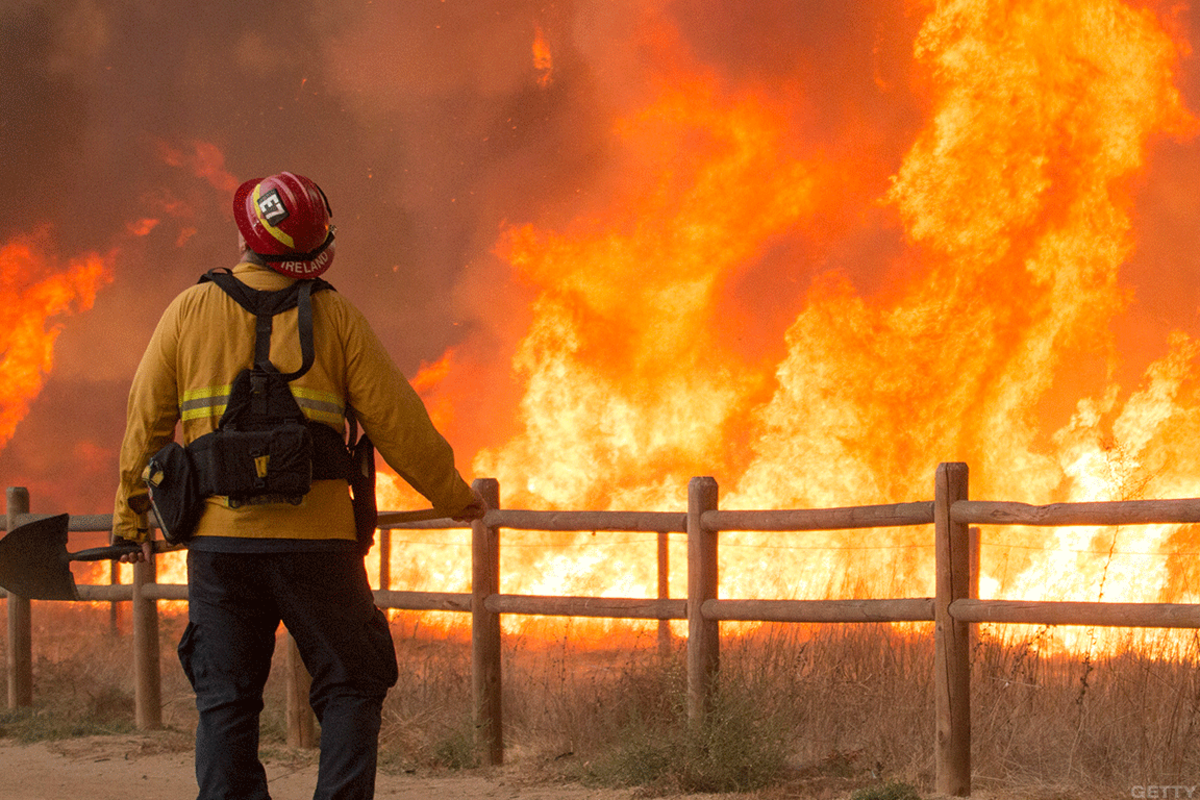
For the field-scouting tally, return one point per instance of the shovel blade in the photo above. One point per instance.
(34, 562)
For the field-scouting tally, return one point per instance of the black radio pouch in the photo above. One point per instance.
(264, 449)
(174, 492)
(362, 487)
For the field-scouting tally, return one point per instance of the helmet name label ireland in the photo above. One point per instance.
(298, 269)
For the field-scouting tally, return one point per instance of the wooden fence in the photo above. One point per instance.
(952, 608)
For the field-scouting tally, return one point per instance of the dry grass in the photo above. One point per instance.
(804, 711)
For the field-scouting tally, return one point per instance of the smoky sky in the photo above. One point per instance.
(425, 123)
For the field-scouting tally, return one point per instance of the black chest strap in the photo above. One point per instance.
(265, 305)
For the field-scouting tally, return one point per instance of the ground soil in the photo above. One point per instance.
(158, 766)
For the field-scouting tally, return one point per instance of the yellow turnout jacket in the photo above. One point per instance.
(204, 339)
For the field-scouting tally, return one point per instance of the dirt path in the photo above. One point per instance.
(159, 767)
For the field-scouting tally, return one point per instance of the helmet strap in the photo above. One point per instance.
(309, 256)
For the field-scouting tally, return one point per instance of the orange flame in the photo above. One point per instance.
(37, 289)
(624, 366)
(205, 160)
(543, 61)
(142, 227)
(1014, 200)
(426, 383)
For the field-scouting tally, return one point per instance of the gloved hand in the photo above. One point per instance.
(141, 505)
(137, 556)
(475, 510)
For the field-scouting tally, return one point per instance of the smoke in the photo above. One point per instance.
(432, 129)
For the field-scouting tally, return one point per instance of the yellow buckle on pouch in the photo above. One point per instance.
(152, 474)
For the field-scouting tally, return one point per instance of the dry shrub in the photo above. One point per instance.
(1125, 716)
(427, 717)
(82, 675)
(892, 790)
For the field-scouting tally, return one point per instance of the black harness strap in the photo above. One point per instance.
(265, 305)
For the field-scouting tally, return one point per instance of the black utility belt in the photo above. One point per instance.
(274, 465)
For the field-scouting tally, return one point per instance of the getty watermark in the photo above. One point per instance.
(1160, 792)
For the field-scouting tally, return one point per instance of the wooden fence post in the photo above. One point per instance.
(974, 544)
(485, 632)
(147, 673)
(114, 607)
(952, 648)
(704, 641)
(19, 655)
(385, 558)
(664, 592)
(301, 722)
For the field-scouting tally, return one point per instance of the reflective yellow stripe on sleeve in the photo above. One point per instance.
(207, 402)
(320, 405)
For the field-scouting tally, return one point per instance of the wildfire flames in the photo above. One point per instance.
(701, 310)
(1015, 208)
(37, 291)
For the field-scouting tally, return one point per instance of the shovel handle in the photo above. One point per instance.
(111, 553)
(114, 552)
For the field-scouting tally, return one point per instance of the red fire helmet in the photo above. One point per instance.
(285, 219)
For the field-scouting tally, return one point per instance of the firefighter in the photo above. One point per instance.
(256, 561)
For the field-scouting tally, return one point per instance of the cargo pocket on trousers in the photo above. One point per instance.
(379, 635)
(187, 649)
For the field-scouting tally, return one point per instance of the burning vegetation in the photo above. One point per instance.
(810, 249)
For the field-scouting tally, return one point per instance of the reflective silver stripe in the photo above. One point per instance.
(199, 403)
(324, 412)
(320, 405)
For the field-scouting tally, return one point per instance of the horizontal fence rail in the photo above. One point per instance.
(913, 609)
(820, 519)
(1120, 512)
(952, 609)
(1060, 612)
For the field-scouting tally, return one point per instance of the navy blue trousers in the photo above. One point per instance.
(235, 604)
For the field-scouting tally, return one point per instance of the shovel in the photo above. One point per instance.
(35, 564)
